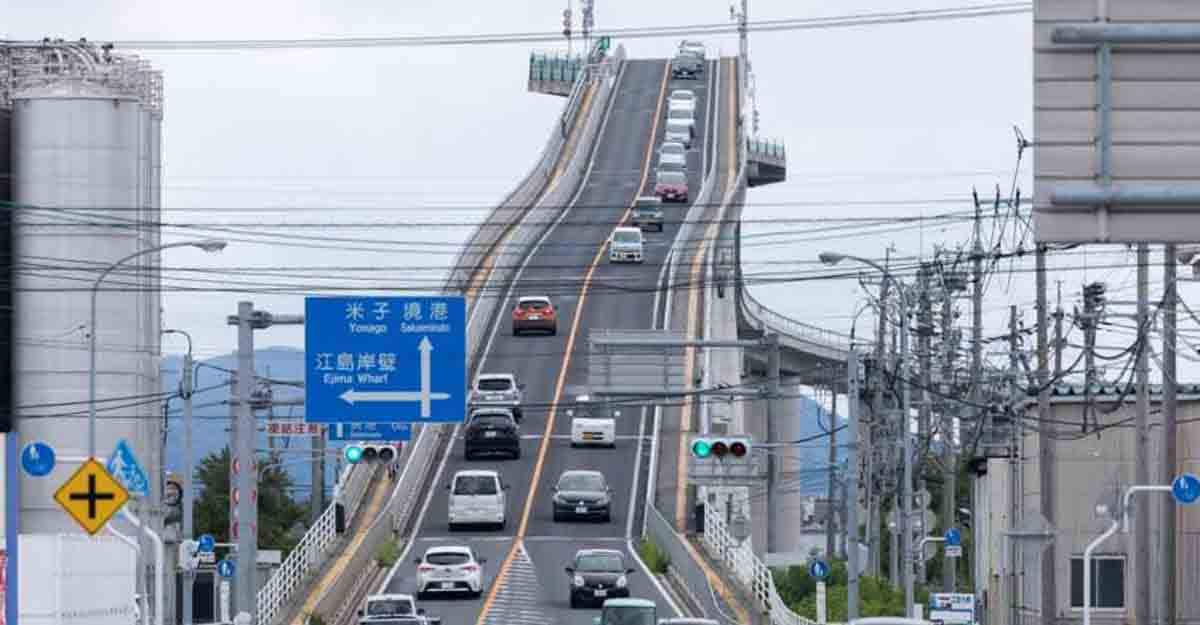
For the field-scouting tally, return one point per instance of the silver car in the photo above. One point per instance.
(672, 156)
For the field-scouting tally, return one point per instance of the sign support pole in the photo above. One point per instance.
(245, 598)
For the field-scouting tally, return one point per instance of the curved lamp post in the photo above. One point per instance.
(208, 245)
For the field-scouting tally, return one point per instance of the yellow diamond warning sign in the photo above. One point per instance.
(91, 496)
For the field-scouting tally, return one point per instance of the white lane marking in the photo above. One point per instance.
(521, 587)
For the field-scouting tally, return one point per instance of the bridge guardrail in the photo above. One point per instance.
(751, 572)
(785, 325)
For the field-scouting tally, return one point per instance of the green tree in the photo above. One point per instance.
(278, 512)
(876, 596)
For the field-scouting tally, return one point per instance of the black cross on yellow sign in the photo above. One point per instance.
(91, 496)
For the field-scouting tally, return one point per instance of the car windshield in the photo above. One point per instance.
(475, 485)
(600, 562)
(389, 607)
(490, 420)
(624, 615)
(679, 114)
(648, 204)
(627, 237)
(534, 304)
(673, 149)
(494, 384)
(684, 96)
(671, 177)
(447, 558)
(581, 481)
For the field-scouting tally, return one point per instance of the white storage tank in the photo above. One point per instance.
(81, 151)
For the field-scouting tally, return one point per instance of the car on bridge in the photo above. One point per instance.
(682, 115)
(589, 426)
(647, 213)
(671, 186)
(693, 47)
(393, 609)
(582, 495)
(598, 575)
(626, 245)
(672, 156)
(498, 389)
(491, 431)
(684, 99)
(477, 498)
(450, 570)
(680, 131)
(534, 314)
(686, 65)
(629, 611)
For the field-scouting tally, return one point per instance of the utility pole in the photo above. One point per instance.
(925, 412)
(949, 457)
(977, 339)
(246, 474)
(317, 498)
(1014, 490)
(1141, 467)
(1046, 460)
(830, 522)
(877, 413)
(1058, 336)
(906, 486)
(852, 412)
(1169, 433)
(1093, 301)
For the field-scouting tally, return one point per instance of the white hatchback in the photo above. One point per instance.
(449, 570)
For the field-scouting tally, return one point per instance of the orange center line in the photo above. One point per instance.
(544, 446)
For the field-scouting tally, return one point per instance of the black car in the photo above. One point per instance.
(492, 431)
(582, 495)
(686, 66)
(597, 575)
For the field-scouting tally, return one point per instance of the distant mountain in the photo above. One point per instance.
(211, 411)
(814, 454)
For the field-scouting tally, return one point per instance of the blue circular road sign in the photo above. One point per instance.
(1186, 488)
(225, 568)
(37, 458)
(953, 537)
(207, 543)
(818, 569)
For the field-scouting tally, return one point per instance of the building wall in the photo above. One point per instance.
(1092, 468)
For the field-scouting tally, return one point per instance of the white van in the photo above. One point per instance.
(477, 498)
(626, 245)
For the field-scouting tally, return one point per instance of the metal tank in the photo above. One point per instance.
(82, 152)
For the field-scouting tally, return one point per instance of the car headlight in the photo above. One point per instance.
(578, 581)
(605, 500)
(622, 581)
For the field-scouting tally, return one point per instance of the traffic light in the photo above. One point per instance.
(371, 452)
(721, 447)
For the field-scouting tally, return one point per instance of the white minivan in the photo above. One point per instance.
(626, 245)
(477, 498)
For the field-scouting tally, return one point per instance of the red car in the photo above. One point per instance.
(671, 186)
(534, 314)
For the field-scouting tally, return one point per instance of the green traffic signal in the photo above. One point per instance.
(353, 453)
(701, 448)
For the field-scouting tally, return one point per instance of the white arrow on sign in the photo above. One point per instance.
(425, 396)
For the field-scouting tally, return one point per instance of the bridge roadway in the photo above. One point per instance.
(524, 569)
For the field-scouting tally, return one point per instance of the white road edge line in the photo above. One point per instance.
(508, 293)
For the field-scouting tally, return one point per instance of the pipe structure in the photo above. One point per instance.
(159, 562)
(1087, 569)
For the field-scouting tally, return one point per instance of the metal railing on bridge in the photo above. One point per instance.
(555, 66)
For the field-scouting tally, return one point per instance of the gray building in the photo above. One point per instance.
(1091, 467)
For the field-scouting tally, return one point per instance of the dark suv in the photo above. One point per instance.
(492, 431)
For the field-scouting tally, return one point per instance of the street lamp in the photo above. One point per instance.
(187, 387)
(833, 258)
(208, 245)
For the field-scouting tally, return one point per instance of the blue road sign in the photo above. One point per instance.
(206, 543)
(128, 471)
(385, 359)
(818, 569)
(370, 432)
(953, 537)
(226, 568)
(1186, 488)
(37, 458)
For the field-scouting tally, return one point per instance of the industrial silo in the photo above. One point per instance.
(81, 152)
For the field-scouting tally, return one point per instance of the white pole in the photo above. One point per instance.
(1087, 570)
(159, 560)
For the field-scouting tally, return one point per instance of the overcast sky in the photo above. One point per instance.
(881, 121)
